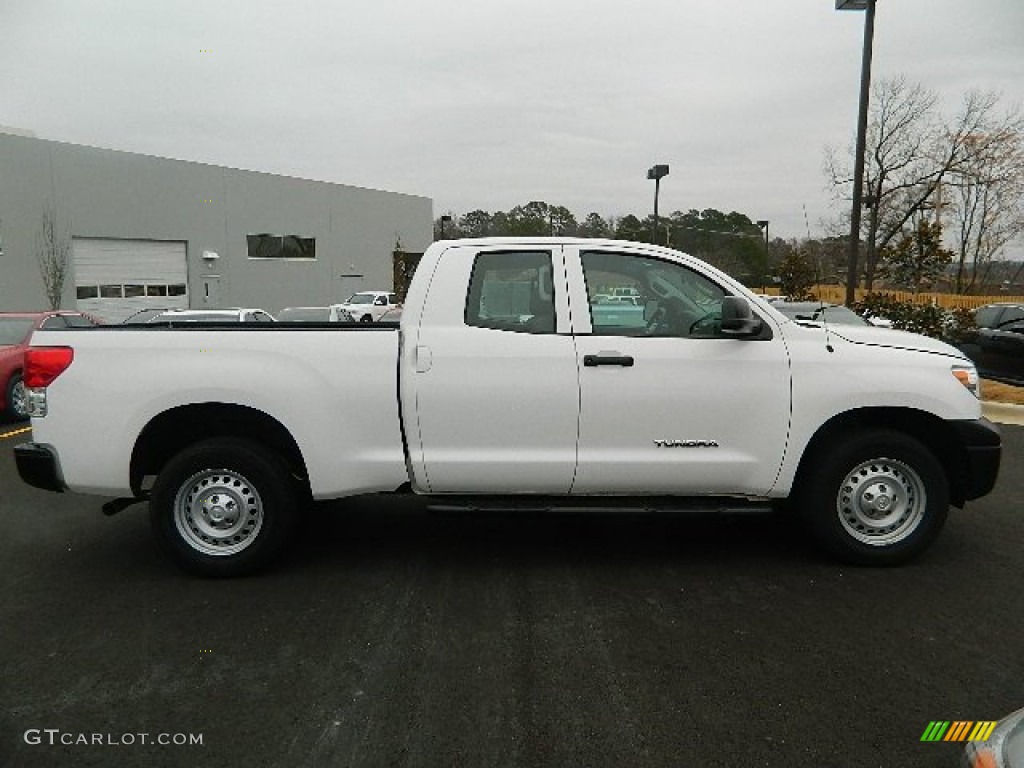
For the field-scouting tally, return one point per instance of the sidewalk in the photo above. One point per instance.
(1003, 413)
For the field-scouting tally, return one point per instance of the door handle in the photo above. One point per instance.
(424, 359)
(608, 358)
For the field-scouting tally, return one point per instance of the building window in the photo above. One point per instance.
(134, 291)
(177, 289)
(110, 292)
(88, 291)
(280, 247)
(156, 290)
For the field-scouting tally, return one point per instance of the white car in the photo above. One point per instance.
(231, 315)
(368, 306)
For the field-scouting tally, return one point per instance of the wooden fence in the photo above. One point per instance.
(836, 294)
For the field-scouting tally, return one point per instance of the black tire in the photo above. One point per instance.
(11, 412)
(223, 507)
(366, 319)
(874, 497)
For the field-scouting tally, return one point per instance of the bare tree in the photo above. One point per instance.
(902, 131)
(911, 152)
(986, 206)
(53, 252)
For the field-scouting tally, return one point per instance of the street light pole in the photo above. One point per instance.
(656, 172)
(763, 224)
(862, 126)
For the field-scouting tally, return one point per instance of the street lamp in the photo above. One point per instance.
(862, 126)
(763, 224)
(444, 219)
(656, 172)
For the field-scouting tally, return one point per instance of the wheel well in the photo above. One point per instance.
(935, 434)
(173, 430)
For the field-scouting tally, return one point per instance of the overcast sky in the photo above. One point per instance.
(491, 104)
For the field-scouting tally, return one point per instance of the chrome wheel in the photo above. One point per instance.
(218, 512)
(19, 399)
(881, 502)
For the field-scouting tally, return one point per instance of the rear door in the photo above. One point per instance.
(668, 404)
(494, 374)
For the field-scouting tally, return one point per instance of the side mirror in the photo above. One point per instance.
(737, 318)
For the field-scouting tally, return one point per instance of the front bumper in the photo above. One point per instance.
(982, 444)
(39, 466)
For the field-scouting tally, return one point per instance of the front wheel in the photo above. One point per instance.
(366, 319)
(17, 399)
(875, 497)
(223, 507)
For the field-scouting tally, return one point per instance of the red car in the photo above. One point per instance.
(16, 330)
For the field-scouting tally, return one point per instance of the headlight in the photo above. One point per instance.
(968, 376)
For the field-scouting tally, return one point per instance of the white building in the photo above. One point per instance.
(151, 232)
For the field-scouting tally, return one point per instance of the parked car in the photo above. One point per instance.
(368, 306)
(819, 312)
(16, 329)
(996, 345)
(331, 314)
(531, 402)
(619, 310)
(233, 315)
(145, 315)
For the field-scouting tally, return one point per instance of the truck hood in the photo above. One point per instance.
(886, 337)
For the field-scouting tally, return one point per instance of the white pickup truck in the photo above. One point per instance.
(501, 387)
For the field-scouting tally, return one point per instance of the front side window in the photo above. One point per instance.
(1011, 315)
(633, 295)
(512, 291)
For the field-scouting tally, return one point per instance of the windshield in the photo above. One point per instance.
(360, 298)
(13, 330)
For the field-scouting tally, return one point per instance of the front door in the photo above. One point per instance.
(492, 372)
(667, 402)
(211, 291)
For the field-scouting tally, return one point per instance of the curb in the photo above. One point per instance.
(1003, 413)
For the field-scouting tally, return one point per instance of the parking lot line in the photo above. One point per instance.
(15, 432)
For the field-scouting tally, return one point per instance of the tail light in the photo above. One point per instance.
(44, 364)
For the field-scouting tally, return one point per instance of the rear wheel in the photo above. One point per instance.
(223, 507)
(17, 399)
(876, 497)
(366, 319)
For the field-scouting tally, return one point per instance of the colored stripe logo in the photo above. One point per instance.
(958, 730)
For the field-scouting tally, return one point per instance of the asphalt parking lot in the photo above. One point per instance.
(389, 636)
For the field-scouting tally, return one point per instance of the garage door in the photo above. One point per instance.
(116, 278)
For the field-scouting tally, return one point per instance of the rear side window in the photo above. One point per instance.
(512, 291)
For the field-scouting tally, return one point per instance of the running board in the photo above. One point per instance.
(597, 505)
